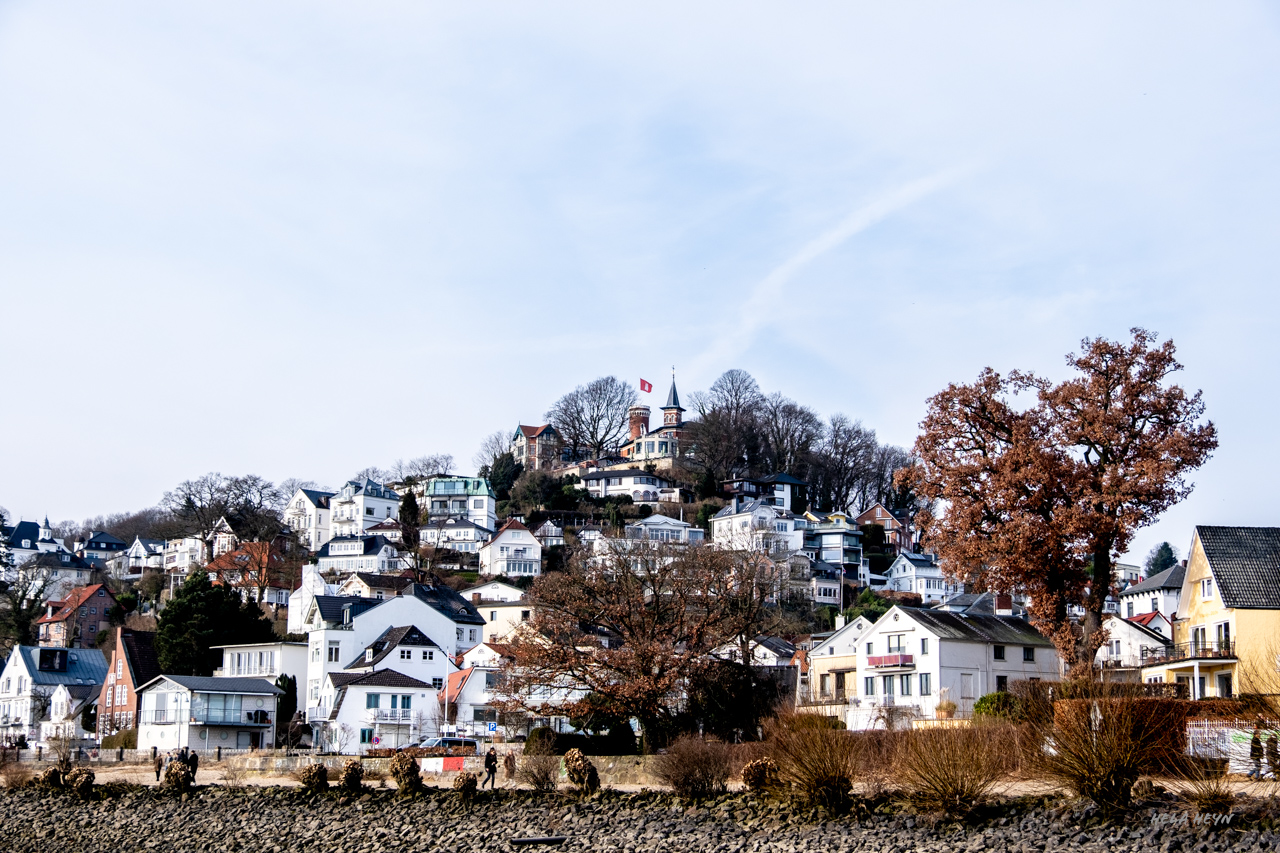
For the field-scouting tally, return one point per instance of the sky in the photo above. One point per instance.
(299, 239)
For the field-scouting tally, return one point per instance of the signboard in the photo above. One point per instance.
(493, 727)
(377, 739)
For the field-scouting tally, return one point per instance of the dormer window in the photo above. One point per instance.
(368, 655)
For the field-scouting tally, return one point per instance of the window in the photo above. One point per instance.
(428, 655)
(1029, 654)
(366, 735)
(896, 643)
(924, 645)
(493, 616)
(1129, 610)
(371, 700)
(472, 635)
(406, 654)
(1155, 606)
(1002, 684)
(871, 648)
(404, 702)
(333, 652)
(119, 667)
(368, 510)
(888, 684)
(524, 615)
(925, 686)
(1206, 588)
(905, 684)
(998, 652)
(437, 683)
(869, 685)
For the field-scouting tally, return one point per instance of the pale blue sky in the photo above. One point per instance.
(301, 238)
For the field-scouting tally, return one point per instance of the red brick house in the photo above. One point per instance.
(132, 664)
(74, 622)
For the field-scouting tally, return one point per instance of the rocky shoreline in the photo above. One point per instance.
(282, 819)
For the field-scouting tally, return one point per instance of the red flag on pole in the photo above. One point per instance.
(646, 387)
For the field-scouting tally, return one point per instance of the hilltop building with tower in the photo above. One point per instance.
(661, 444)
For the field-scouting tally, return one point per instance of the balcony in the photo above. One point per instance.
(1214, 650)
(896, 659)
(204, 717)
(391, 715)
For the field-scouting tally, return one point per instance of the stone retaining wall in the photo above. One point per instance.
(615, 770)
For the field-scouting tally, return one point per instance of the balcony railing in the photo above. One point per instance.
(388, 715)
(205, 717)
(896, 659)
(1214, 649)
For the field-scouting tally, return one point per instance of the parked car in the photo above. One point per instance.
(464, 743)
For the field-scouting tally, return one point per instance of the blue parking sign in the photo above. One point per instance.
(493, 727)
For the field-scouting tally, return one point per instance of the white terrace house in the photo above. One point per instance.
(1130, 646)
(65, 708)
(341, 629)
(469, 498)
(921, 574)
(345, 554)
(359, 505)
(266, 660)
(513, 551)
(755, 525)
(910, 655)
(143, 554)
(308, 513)
(454, 533)
(836, 540)
(206, 713)
(1157, 594)
(661, 528)
(833, 666)
(30, 678)
(642, 487)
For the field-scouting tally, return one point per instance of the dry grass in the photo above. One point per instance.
(540, 771)
(1204, 786)
(953, 770)
(876, 753)
(16, 774)
(694, 768)
(233, 774)
(817, 762)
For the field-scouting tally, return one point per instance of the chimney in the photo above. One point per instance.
(1004, 605)
(638, 418)
(839, 621)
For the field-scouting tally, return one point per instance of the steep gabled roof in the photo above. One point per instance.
(376, 581)
(1170, 578)
(534, 431)
(79, 596)
(331, 607)
(457, 680)
(318, 497)
(84, 666)
(975, 629)
(102, 537)
(391, 639)
(139, 649)
(673, 398)
(208, 684)
(447, 602)
(1245, 562)
(386, 678)
(783, 478)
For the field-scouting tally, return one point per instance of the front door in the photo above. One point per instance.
(1224, 686)
(244, 740)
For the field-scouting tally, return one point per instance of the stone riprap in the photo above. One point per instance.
(278, 819)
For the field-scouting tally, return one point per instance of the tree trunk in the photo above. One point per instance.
(1094, 606)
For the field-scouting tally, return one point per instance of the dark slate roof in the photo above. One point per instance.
(784, 478)
(372, 544)
(376, 581)
(386, 678)
(448, 602)
(921, 560)
(59, 560)
(202, 684)
(317, 497)
(391, 639)
(102, 537)
(1245, 562)
(140, 653)
(24, 530)
(673, 397)
(1007, 630)
(84, 666)
(340, 679)
(1170, 578)
(777, 645)
(332, 606)
(452, 521)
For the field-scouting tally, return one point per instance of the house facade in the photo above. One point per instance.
(27, 539)
(535, 447)
(359, 505)
(308, 513)
(1157, 594)
(140, 556)
(269, 661)
(203, 714)
(1226, 632)
(31, 675)
(454, 533)
(754, 525)
(370, 585)
(346, 554)
(921, 574)
(912, 658)
(99, 545)
(661, 444)
(133, 663)
(470, 498)
(74, 622)
(1130, 645)
(643, 487)
(833, 667)
(512, 552)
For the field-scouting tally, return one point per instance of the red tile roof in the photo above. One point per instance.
(64, 609)
(1145, 619)
(456, 682)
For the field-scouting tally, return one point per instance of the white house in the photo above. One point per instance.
(100, 545)
(26, 539)
(65, 708)
(341, 629)
(182, 555)
(493, 591)
(755, 525)
(206, 713)
(550, 534)
(30, 677)
(308, 513)
(370, 585)
(910, 655)
(470, 498)
(835, 539)
(359, 505)
(764, 651)
(513, 551)
(358, 554)
(143, 554)
(921, 574)
(1157, 594)
(269, 661)
(833, 666)
(300, 599)
(642, 487)
(456, 533)
(1130, 644)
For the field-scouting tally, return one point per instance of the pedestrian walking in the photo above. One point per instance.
(509, 765)
(194, 763)
(1273, 755)
(490, 769)
(159, 764)
(1255, 751)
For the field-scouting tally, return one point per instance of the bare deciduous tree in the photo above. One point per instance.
(494, 445)
(593, 417)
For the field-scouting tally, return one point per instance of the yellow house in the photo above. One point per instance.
(1226, 632)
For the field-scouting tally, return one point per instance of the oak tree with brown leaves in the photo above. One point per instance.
(1041, 497)
(631, 626)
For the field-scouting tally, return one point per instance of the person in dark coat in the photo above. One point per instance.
(159, 764)
(1273, 755)
(491, 768)
(193, 761)
(1255, 751)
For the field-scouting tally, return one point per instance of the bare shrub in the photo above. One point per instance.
(539, 770)
(404, 769)
(314, 778)
(581, 772)
(233, 774)
(818, 763)
(466, 785)
(760, 776)
(952, 770)
(693, 767)
(352, 778)
(1203, 785)
(875, 759)
(1099, 748)
(16, 774)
